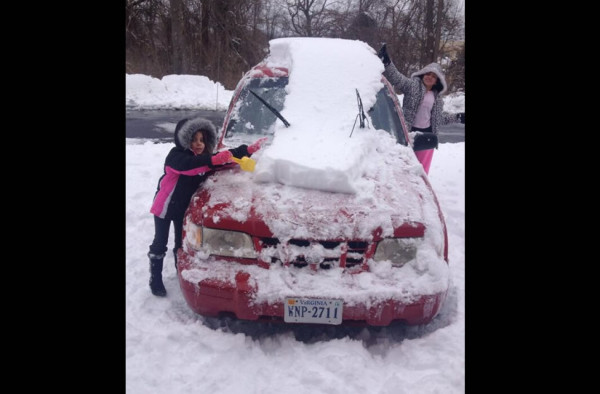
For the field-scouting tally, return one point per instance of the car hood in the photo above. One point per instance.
(398, 204)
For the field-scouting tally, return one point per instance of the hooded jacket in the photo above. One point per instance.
(184, 171)
(414, 90)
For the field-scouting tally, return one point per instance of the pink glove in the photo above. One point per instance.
(221, 158)
(257, 145)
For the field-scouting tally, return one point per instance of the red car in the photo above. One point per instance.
(275, 251)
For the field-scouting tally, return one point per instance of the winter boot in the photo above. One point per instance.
(156, 266)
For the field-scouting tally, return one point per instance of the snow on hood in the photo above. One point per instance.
(389, 192)
(387, 196)
(316, 151)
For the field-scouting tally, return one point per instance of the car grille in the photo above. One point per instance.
(317, 254)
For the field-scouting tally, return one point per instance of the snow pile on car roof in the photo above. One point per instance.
(324, 148)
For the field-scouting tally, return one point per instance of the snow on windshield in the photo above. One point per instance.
(317, 151)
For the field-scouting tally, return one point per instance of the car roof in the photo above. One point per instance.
(263, 70)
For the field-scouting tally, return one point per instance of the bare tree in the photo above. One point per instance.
(274, 20)
(223, 38)
(146, 46)
(429, 52)
(419, 32)
(179, 47)
(308, 17)
(455, 73)
(204, 32)
(438, 29)
(232, 38)
(363, 27)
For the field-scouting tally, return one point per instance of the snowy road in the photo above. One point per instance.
(160, 124)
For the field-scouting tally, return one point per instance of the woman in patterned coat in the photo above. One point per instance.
(422, 105)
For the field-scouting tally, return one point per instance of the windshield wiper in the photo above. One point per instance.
(285, 122)
(361, 114)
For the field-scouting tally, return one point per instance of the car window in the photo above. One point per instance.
(384, 116)
(250, 117)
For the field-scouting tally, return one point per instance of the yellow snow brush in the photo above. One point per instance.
(246, 163)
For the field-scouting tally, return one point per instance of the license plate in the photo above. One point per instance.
(312, 310)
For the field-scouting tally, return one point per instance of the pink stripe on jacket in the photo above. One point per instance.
(167, 186)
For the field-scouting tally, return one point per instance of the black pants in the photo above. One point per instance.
(161, 235)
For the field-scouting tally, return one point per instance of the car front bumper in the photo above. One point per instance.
(213, 287)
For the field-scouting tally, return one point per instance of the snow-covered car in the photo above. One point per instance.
(337, 223)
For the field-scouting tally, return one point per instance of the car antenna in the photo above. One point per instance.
(285, 122)
(361, 114)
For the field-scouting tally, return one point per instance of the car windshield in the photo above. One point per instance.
(250, 118)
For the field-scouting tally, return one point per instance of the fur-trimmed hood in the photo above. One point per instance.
(185, 129)
(437, 69)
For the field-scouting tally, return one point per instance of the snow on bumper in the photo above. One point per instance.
(252, 293)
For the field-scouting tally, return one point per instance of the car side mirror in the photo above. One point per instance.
(424, 141)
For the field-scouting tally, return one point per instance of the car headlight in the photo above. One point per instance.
(220, 242)
(398, 250)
